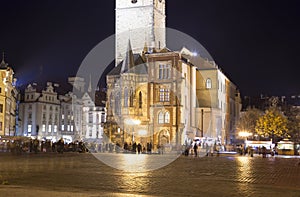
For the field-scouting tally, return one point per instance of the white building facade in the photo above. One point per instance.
(48, 115)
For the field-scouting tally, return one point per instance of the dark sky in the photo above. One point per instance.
(255, 42)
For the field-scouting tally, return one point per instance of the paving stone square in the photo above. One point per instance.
(75, 174)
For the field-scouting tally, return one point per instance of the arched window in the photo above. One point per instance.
(160, 118)
(131, 98)
(126, 97)
(167, 117)
(208, 83)
(140, 100)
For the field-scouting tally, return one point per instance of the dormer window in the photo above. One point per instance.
(133, 1)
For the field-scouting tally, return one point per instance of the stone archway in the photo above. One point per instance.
(164, 140)
(164, 137)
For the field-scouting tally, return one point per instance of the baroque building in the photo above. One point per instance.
(8, 100)
(47, 114)
(40, 112)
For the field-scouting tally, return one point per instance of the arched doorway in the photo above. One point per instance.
(164, 140)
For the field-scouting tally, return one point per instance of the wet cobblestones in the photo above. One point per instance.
(82, 175)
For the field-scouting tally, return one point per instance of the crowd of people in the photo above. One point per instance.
(34, 146)
(193, 148)
(197, 146)
(127, 147)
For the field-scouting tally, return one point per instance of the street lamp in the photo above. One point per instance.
(245, 134)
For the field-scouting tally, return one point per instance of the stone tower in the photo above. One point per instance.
(142, 22)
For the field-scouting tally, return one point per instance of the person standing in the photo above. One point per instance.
(139, 147)
(195, 149)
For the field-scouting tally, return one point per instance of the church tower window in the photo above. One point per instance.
(160, 118)
(167, 117)
(131, 98)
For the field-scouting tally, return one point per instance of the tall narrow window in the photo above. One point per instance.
(126, 97)
(131, 98)
(110, 101)
(49, 128)
(29, 128)
(167, 117)
(140, 100)
(161, 94)
(43, 128)
(117, 104)
(167, 95)
(160, 118)
(164, 71)
(1, 108)
(90, 117)
(208, 83)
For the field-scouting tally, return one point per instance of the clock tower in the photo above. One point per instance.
(142, 22)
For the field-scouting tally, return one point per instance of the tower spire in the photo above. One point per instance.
(3, 57)
(145, 50)
(3, 64)
(128, 62)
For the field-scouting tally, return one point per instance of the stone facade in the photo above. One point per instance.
(143, 22)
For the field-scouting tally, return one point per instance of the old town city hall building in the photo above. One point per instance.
(161, 96)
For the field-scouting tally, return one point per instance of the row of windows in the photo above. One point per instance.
(164, 96)
(29, 128)
(208, 85)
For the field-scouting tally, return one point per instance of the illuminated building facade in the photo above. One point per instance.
(46, 114)
(165, 97)
(39, 112)
(8, 100)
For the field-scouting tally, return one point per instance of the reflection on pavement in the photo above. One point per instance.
(244, 174)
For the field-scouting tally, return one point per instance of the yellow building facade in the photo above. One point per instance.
(8, 100)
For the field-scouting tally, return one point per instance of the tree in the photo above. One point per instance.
(272, 123)
(248, 119)
(293, 115)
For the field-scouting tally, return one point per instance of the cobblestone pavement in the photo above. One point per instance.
(74, 174)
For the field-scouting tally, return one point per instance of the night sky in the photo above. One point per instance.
(256, 43)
